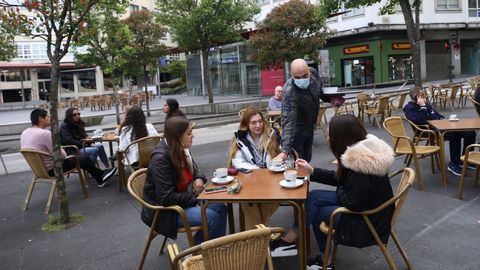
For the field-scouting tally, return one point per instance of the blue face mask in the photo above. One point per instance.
(302, 83)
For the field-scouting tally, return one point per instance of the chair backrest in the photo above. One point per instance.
(135, 185)
(408, 177)
(34, 159)
(239, 251)
(240, 113)
(145, 147)
(383, 104)
(401, 100)
(453, 93)
(395, 128)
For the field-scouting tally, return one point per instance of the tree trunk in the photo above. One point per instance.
(57, 154)
(145, 75)
(413, 32)
(206, 75)
(115, 97)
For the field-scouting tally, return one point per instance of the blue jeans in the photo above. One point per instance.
(94, 152)
(303, 145)
(216, 217)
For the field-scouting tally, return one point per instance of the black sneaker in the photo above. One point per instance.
(107, 175)
(280, 248)
(455, 169)
(317, 264)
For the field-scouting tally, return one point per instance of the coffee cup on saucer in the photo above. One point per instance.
(277, 163)
(453, 117)
(221, 173)
(290, 177)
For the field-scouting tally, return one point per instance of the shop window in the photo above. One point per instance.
(474, 8)
(400, 67)
(87, 81)
(66, 80)
(447, 5)
(15, 95)
(43, 74)
(14, 75)
(358, 71)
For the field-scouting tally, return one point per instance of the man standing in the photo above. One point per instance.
(37, 137)
(275, 102)
(419, 112)
(300, 106)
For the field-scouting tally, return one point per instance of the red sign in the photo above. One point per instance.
(271, 78)
(356, 49)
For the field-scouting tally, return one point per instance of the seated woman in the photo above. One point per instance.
(72, 131)
(171, 108)
(362, 183)
(134, 127)
(259, 146)
(173, 178)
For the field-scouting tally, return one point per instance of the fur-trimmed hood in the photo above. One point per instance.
(370, 156)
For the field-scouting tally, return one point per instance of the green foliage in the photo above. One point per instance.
(289, 31)
(197, 25)
(176, 68)
(12, 23)
(53, 224)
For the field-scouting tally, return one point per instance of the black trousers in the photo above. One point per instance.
(86, 164)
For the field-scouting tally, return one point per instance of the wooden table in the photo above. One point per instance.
(444, 126)
(262, 186)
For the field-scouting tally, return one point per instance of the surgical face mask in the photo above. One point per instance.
(302, 83)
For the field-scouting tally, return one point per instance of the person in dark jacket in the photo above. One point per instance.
(171, 108)
(301, 102)
(72, 131)
(362, 183)
(419, 112)
(173, 178)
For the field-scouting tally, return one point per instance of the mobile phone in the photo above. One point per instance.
(243, 170)
(215, 189)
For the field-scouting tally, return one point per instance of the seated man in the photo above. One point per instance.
(275, 102)
(419, 112)
(37, 137)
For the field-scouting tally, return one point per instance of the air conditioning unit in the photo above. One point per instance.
(386, 20)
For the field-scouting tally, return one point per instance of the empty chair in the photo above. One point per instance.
(470, 158)
(378, 110)
(399, 199)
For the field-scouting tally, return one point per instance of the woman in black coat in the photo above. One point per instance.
(173, 178)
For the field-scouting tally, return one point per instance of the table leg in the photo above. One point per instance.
(110, 144)
(302, 247)
(231, 220)
(121, 171)
(443, 162)
(204, 205)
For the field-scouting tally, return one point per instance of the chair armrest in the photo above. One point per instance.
(470, 147)
(77, 151)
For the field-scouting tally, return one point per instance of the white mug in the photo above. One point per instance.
(221, 173)
(290, 176)
(277, 162)
(453, 116)
(98, 132)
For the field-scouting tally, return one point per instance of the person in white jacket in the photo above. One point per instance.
(252, 148)
(134, 127)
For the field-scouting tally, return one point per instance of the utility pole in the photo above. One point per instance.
(450, 66)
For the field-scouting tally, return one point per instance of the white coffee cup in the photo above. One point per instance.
(221, 173)
(453, 116)
(98, 132)
(277, 162)
(290, 176)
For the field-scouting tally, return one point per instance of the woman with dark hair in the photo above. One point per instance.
(72, 131)
(171, 108)
(362, 183)
(134, 127)
(258, 146)
(173, 178)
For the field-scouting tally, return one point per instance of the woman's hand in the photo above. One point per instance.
(303, 165)
(197, 186)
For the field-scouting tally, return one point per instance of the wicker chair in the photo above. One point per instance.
(135, 185)
(34, 159)
(399, 199)
(400, 99)
(404, 145)
(450, 98)
(379, 109)
(470, 158)
(144, 147)
(239, 251)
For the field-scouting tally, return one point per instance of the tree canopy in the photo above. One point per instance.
(292, 30)
(201, 25)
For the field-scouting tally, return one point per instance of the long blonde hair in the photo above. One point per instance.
(269, 142)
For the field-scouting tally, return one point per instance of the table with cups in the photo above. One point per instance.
(451, 124)
(271, 185)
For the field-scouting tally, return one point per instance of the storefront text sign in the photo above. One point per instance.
(356, 49)
(401, 46)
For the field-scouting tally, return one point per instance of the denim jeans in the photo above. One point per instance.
(94, 152)
(216, 217)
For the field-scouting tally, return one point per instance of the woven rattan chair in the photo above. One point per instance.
(400, 100)
(144, 148)
(135, 185)
(380, 110)
(475, 104)
(34, 159)
(470, 158)
(450, 98)
(404, 145)
(399, 199)
(246, 250)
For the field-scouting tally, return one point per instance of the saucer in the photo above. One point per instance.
(96, 137)
(453, 120)
(293, 185)
(221, 181)
(277, 169)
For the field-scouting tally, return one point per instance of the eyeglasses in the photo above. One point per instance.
(76, 114)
